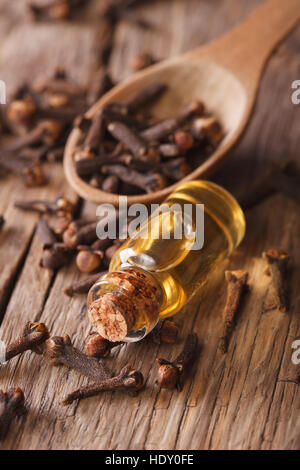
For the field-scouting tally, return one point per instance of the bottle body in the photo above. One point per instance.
(168, 249)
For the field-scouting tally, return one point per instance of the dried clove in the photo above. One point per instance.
(96, 181)
(54, 254)
(55, 118)
(109, 252)
(101, 83)
(139, 160)
(124, 13)
(89, 258)
(31, 339)
(82, 235)
(61, 223)
(56, 10)
(35, 136)
(32, 173)
(58, 83)
(176, 168)
(55, 155)
(60, 351)
(145, 96)
(169, 150)
(184, 140)
(170, 373)
(45, 233)
(96, 132)
(96, 346)
(88, 261)
(90, 166)
(149, 182)
(61, 206)
(38, 154)
(166, 331)
(128, 380)
(83, 286)
(207, 127)
(119, 112)
(277, 261)
(236, 284)
(41, 116)
(166, 127)
(110, 184)
(20, 111)
(130, 138)
(11, 406)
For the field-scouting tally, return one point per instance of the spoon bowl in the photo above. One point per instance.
(224, 75)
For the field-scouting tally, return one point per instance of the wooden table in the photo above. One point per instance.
(233, 401)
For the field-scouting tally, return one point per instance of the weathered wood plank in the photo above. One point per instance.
(16, 236)
(233, 401)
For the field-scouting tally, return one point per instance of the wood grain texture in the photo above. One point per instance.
(236, 401)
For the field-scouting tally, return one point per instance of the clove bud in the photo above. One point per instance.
(96, 346)
(170, 373)
(11, 406)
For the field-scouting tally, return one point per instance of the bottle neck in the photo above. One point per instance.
(124, 305)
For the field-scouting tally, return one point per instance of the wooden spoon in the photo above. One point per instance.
(224, 74)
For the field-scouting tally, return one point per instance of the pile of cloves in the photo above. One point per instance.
(40, 117)
(125, 150)
(60, 351)
(64, 237)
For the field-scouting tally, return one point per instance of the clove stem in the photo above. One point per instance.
(277, 261)
(82, 287)
(34, 334)
(11, 406)
(236, 283)
(128, 380)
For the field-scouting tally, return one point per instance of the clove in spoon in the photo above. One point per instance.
(225, 75)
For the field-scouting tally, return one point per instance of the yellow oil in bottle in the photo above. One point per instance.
(167, 249)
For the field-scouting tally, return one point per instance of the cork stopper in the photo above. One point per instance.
(134, 303)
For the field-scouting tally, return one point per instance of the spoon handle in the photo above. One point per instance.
(246, 48)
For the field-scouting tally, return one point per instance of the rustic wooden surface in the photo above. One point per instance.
(235, 401)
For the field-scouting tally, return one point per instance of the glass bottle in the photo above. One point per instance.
(163, 263)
